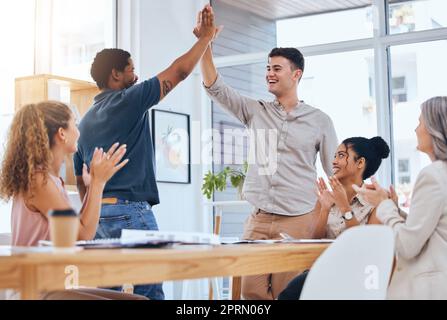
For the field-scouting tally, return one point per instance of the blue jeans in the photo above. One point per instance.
(129, 215)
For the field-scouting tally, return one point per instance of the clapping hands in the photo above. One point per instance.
(325, 196)
(337, 196)
(105, 164)
(374, 194)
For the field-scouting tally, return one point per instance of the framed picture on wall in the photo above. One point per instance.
(172, 146)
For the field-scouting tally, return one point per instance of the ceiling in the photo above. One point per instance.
(281, 9)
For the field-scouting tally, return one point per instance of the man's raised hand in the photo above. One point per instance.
(205, 24)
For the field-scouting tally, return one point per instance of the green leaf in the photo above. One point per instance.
(236, 180)
(213, 182)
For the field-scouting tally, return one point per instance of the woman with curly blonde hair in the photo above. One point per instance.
(40, 137)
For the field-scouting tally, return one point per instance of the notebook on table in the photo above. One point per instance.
(115, 243)
(146, 239)
(172, 236)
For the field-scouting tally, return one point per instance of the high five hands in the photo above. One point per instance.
(205, 24)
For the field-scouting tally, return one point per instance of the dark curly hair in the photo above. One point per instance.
(105, 61)
(373, 150)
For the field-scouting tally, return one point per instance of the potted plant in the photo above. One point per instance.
(218, 182)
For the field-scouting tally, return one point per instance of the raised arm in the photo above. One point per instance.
(209, 71)
(229, 99)
(182, 67)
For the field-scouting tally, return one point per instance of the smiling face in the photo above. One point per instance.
(281, 76)
(129, 76)
(346, 163)
(126, 78)
(68, 138)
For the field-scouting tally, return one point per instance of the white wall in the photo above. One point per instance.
(158, 33)
(165, 34)
(5, 207)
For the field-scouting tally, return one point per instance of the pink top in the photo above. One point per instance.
(28, 227)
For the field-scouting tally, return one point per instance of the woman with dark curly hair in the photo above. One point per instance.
(40, 138)
(341, 208)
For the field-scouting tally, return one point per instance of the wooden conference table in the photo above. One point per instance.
(32, 271)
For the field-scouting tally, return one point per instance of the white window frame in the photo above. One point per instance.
(43, 34)
(127, 28)
(380, 43)
(404, 174)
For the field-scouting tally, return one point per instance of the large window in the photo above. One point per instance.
(17, 54)
(325, 28)
(80, 29)
(417, 15)
(369, 68)
(423, 67)
(16, 59)
(51, 36)
(342, 86)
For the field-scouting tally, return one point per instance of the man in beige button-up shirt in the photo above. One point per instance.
(280, 184)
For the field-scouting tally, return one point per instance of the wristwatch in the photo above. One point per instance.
(348, 216)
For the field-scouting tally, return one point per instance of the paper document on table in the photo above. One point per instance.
(307, 240)
(114, 243)
(171, 236)
(146, 239)
(269, 241)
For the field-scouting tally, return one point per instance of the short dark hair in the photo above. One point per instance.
(291, 54)
(373, 150)
(105, 61)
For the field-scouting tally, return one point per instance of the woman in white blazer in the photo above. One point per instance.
(421, 237)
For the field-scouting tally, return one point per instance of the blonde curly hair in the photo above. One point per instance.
(28, 150)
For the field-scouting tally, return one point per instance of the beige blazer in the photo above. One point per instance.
(421, 238)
